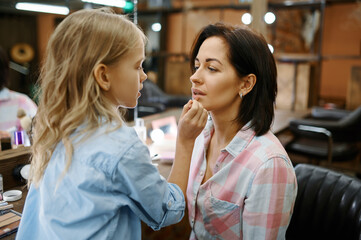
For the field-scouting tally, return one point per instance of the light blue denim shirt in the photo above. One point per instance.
(110, 186)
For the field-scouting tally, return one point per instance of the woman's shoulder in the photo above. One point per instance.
(270, 157)
(267, 149)
(269, 144)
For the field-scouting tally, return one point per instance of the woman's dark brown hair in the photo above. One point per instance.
(248, 52)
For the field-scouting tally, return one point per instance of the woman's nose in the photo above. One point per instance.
(195, 78)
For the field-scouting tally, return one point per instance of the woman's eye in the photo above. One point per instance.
(196, 68)
(212, 69)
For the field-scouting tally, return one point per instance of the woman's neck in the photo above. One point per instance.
(225, 128)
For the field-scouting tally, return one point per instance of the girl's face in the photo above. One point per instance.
(126, 78)
(215, 83)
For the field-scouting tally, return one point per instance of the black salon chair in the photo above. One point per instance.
(329, 114)
(328, 205)
(334, 136)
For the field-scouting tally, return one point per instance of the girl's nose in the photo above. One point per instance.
(143, 77)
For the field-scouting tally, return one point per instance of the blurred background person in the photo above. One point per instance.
(11, 102)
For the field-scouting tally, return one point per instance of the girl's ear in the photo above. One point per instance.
(247, 84)
(101, 77)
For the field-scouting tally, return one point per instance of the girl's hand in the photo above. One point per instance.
(190, 125)
(192, 120)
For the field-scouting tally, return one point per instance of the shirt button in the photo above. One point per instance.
(192, 221)
(169, 204)
(201, 173)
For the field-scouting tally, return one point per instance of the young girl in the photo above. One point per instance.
(91, 176)
(242, 184)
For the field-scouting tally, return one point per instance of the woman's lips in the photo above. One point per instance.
(197, 92)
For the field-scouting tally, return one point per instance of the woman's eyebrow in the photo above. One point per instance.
(209, 60)
(213, 59)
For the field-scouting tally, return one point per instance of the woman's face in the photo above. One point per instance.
(127, 77)
(215, 83)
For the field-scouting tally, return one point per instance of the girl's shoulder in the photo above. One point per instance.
(106, 146)
(108, 139)
(113, 135)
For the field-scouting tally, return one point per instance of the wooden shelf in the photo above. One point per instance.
(9, 159)
(295, 57)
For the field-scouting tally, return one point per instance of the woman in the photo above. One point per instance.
(242, 184)
(91, 176)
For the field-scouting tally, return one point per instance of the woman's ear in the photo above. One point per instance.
(247, 84)
(101, 77)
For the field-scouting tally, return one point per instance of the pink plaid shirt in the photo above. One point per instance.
(10, 102)
(251, 193)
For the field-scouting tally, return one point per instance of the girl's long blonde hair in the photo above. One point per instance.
(69, 94)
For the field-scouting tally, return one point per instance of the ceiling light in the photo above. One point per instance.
(269, 17)
(156, 27)
(45, 8)
(113, 3)
(247, 18)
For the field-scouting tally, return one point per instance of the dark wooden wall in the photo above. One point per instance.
(16, 29)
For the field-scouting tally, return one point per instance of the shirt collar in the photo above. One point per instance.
(239, 142)
(4, 94)
(208, 128)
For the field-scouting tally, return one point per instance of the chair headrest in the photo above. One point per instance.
(353, 118)
(328, 205)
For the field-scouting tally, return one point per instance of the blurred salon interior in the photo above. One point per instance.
(317, 48)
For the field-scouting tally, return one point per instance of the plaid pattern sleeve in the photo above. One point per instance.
(251, 193)
(267, 209)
